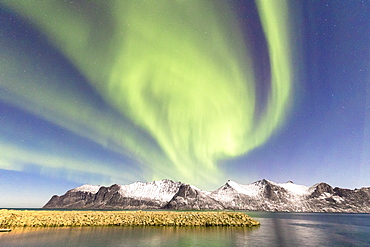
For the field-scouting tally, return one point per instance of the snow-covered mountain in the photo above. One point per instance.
(263, 195)
(137, 195)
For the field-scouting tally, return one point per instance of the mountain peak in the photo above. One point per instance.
(262, 195)
(87, 188)
(321, 188)
(262, 182)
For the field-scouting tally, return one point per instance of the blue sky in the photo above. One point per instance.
(59, 130)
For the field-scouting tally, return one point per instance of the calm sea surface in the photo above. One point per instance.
(277, 229)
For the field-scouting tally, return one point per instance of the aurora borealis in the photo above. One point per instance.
(109, 92)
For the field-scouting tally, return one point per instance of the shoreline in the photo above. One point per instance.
(47, 218)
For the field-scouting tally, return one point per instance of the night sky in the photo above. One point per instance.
(106, 92)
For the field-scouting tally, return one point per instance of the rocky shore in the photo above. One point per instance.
(20, 218)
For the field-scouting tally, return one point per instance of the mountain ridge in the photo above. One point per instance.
(262, 195)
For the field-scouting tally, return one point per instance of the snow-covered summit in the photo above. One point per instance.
(87, 188)
(255, 188)
(162, 190)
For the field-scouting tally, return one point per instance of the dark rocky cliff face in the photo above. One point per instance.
(320, 189)
(262, 195)
(189, 198)
(71, 200)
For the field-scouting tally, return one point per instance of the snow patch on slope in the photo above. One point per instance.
(249, 189)
(296, 189)
(194, 187)
(336, 198)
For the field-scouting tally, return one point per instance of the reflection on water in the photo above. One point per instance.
(277, 229)
(126, 236)
(312, 229)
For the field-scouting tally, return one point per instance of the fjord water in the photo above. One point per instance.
(277, 229)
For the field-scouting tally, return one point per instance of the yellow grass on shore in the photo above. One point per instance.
(25, 218)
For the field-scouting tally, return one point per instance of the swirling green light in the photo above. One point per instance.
(180, 70)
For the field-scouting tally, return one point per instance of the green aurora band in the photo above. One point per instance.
(179, 70)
